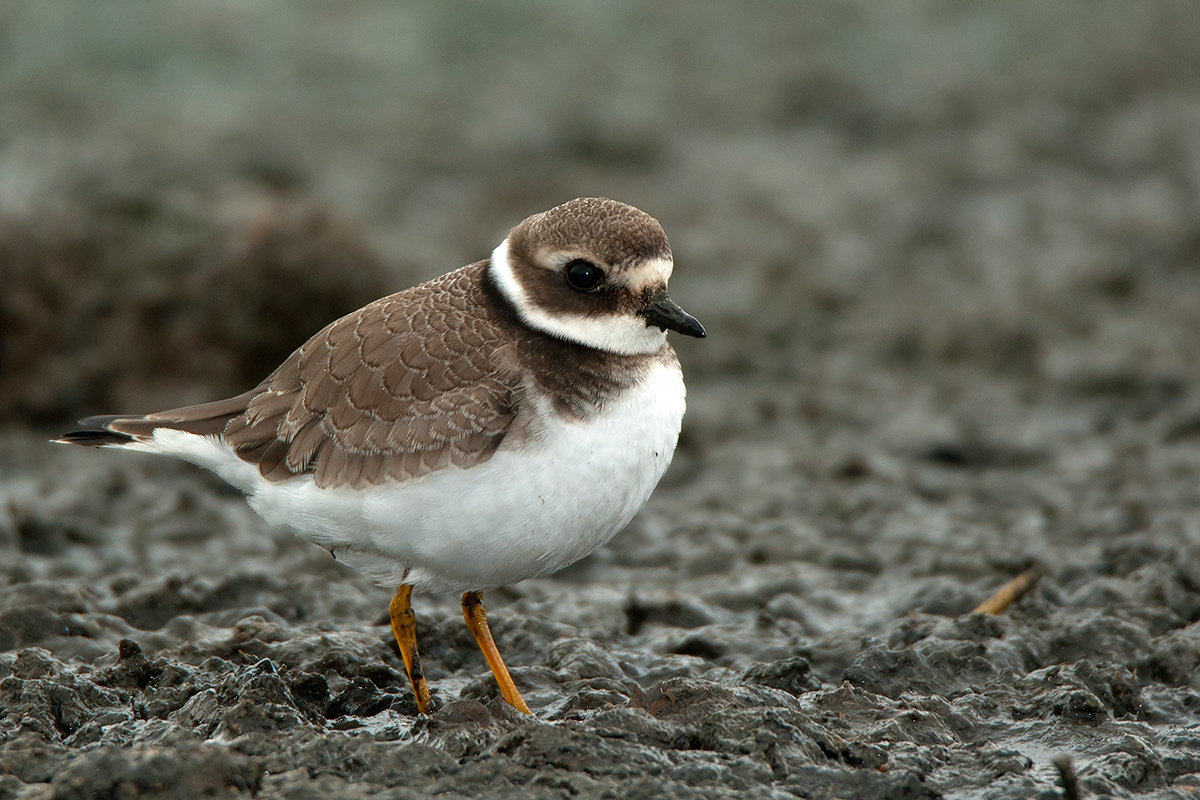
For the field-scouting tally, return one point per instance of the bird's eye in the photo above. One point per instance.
(583, 275)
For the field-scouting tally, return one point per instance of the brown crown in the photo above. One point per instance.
(615, 233)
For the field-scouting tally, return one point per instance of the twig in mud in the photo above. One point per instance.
(1066, 774)
(1010, 592)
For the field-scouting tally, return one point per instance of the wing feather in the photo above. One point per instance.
(409, 385)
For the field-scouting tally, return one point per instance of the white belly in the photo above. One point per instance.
(527, 511)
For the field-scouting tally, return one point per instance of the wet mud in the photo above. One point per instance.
(947, 258)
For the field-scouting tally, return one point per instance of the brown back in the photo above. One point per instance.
(431, 377)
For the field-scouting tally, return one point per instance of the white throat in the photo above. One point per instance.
(625, 334)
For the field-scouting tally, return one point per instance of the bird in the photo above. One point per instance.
(493, 424)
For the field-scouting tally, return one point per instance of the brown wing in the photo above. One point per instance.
(405, 386)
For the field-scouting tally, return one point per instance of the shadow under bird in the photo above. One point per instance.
(494, 424)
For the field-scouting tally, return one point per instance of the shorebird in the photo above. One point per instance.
(494, 424)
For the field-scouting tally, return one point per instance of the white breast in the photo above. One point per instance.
(528, 511)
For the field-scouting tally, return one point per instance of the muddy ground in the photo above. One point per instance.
(948, 255)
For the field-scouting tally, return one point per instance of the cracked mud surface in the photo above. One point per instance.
(948, 261)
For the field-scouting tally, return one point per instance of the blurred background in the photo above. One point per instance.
(958, 193)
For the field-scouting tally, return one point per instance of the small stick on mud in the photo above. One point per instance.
(1066, 774)
(1010, 592)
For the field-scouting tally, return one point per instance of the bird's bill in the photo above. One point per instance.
(666, 314)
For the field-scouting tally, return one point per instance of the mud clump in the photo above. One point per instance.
(152, 302)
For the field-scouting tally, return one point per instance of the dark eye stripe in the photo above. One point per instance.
(583, 275)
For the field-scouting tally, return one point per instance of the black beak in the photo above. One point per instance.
(666, 314)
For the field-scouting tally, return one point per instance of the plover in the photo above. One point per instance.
(494, 424)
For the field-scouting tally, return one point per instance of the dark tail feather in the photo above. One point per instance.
(207, 419)
(94, 432)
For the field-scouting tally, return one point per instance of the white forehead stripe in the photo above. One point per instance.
(626, 334)
(655, 272)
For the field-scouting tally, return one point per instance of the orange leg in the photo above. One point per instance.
(476, 617)
(404, 628)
